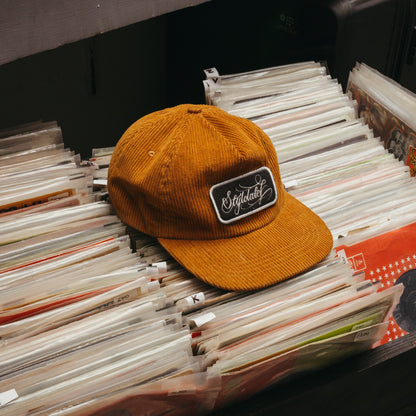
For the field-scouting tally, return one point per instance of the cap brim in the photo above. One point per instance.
(295, 241)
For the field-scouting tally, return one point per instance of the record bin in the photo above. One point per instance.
(96, 67)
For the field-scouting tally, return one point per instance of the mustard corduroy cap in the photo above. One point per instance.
(207, 185)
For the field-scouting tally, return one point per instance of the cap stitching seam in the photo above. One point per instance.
(177, 140)
(213, 128)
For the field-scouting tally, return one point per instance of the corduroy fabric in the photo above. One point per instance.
(160, 175)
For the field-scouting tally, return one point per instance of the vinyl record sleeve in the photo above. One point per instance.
(397, 136)
(241, 384)
(390, 259)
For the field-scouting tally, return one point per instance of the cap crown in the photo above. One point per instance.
(165, 164)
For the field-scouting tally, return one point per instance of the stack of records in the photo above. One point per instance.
(388, 109)
(97, 318)
(83, 318)
(332, 161)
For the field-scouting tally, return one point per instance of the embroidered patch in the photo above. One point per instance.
(244, 195)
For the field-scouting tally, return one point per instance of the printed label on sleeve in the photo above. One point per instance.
(203, 319)
(196, 299)
(162, 267)
(364, 335)
(8, 396)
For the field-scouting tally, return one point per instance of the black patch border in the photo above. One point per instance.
(265, 173)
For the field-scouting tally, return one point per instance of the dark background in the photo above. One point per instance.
(97, 87)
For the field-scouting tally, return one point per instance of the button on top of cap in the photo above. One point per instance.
(194, 109)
